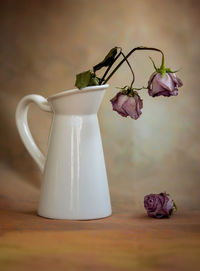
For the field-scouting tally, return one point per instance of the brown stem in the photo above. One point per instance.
(109, 67)
(130, 68)
(133, 50)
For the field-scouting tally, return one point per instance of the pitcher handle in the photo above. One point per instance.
(23, 128)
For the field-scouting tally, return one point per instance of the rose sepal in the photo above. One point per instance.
(162, 70)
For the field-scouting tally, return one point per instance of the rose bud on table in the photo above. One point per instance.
(127, 103)
(159, 205)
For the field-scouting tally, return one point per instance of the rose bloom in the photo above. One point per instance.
(159, 205)
(166, 86)
(127, 105)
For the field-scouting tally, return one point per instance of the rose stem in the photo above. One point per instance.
(133, 50)
(121, 53)
(130, 68)
(109, 67)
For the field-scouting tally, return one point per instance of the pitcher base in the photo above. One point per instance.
(75, 217)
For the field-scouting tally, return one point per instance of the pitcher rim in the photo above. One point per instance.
(76, 91)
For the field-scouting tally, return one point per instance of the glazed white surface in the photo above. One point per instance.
(74, 182)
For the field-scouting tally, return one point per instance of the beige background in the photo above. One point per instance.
(45, 43)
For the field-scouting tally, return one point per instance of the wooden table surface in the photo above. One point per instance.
(128, 240)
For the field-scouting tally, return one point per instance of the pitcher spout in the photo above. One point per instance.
(84, 101)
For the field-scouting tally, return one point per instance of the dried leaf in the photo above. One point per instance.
(108, 60)
(85, 79)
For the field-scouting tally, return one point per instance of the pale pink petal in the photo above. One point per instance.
(166, 82)
(117, 103)
(151, 78)
(176, 79)
(156, 87)
(130, 107)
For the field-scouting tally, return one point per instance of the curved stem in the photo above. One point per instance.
(132, 51)
(130, 68)
(109, 67)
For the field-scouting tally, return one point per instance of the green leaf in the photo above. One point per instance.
(94, 81)
(86, 79)
(108, 60)
(83, 79)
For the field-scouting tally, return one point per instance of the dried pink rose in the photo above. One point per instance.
(127, 105)
(159, 205)
(166, 85)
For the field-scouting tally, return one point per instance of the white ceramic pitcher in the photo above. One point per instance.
(74, 182)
